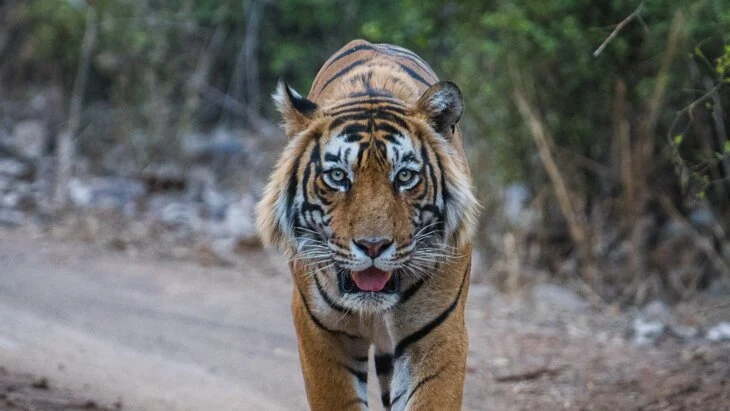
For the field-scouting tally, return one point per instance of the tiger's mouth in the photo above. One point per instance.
(370, 280)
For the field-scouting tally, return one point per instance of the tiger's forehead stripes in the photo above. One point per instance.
(364, 102)
(385, 110)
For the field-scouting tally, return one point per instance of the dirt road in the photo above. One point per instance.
(143, 334)
(162, 336)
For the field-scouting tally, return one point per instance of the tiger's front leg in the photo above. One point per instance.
(430, 376)
(429, 358)
(334, 363)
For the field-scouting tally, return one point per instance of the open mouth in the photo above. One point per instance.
(370, 280)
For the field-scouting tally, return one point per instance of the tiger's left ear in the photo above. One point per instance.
(296, 111)
(442, 105)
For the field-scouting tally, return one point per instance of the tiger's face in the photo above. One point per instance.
(372, 195)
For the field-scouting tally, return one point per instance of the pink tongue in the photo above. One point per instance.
(371, 279)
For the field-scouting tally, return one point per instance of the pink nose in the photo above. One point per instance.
(373, 246)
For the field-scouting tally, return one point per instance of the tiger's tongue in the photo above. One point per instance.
(371, 279)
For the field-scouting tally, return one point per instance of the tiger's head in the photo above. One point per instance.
(370, 193)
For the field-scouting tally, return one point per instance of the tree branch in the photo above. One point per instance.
(619, 27)
(576, 229)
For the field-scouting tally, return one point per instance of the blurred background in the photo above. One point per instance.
(597, 132)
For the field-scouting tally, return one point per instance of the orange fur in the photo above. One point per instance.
(373, 114)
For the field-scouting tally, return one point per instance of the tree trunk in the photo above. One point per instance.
(251, 51)
(66, 148)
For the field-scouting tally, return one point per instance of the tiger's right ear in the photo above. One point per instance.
(296, 111)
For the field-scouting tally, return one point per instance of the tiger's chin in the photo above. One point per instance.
(370, 291)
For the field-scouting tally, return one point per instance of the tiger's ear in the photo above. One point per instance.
(442, 105)
(296, 111)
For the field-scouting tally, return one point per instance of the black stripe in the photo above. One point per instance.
(350, 117)
(368, 100)
(353, 128)
(383, 364)
(340, 74)
(385, 106)
(391, 139)
(385, 398)
(301, 104)
(347, 53)
(414, 75)
(427, 165)
(397, 397)
(327, 298)
(371, 92)
(426, 329)
(319, 324)
(380, 115)
(292, 190)
(362, 376)
(321, 194)
(413, 57)
(420, 384)
(389, 129)
(314, 159)
(361, 152)
(444, 189)
(381, 151)
(393, 119)
(353, 138)
(423, 66)
(361, 359)
(410, 291)
(445, 194)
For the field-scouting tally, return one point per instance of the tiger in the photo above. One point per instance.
(372, 201)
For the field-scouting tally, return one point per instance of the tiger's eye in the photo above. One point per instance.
(337, 175)
(404, 176)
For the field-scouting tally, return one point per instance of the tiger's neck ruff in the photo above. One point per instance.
(372, 201)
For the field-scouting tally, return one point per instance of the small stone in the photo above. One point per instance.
(41, 384)
(10, 200)
(501, 361)
(657, 310)
(180, 215)
(684, 331)
(697, 353)
(720, 332)
(11, 218)
(79, 193)
(646, 332)
(13, 168)
(29, 138)
(558, 297)
(240, 220)
(104, 192)
(18, 200)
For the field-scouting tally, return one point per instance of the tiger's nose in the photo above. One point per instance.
(373, 246)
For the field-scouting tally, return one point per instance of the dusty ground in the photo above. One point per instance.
(85, 328)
